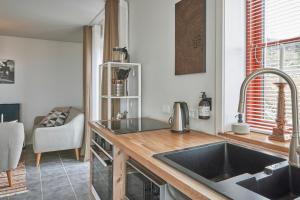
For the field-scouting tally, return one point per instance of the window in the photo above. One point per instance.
(273, 40)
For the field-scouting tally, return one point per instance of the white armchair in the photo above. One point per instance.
(11, 144)
(67, 136)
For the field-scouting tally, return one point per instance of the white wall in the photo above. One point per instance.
(47, 74)
(235, 58)
(151, 42)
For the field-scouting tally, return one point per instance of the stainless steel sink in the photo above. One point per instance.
(236, 171)
(281, 184)
(219, 161)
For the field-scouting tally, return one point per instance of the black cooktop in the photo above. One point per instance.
(133, 125)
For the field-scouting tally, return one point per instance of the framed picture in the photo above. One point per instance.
(190, 37)
(7, 71)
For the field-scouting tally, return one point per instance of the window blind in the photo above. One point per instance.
(273, 41)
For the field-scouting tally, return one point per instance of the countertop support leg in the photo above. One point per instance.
(119, 168)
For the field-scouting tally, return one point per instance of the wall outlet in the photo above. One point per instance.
(166, 109)
(193, 113)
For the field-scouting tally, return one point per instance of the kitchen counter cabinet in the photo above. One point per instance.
(142, 146)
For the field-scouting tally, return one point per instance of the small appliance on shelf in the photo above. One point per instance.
(120, 55)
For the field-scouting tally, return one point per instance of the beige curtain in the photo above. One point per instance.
(87, 77)
(111, 32)
(111, 40)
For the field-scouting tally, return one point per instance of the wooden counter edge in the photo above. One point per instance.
(260, 140)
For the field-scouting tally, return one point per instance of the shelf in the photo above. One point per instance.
(121, 97)
(131, 99)
(259, 139)
(119, 64)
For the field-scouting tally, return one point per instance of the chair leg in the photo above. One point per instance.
(38, 159)
(9, 178)
(77, 154)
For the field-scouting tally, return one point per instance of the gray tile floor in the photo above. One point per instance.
(60, 177)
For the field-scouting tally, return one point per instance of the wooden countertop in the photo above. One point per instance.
(142, 146)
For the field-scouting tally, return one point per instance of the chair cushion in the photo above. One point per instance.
(56, 117)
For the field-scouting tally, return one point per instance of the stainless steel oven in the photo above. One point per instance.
(101, 167)
(142, 184)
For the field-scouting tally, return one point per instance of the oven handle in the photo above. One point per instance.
(100, 159)
(94, 131)
(99, 147)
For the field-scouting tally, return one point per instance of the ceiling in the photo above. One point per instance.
(60, 20)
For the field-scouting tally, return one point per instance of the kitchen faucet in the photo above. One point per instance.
(294, 158)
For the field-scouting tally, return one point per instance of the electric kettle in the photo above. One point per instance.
(179, 120)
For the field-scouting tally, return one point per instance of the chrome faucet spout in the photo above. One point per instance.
(294, 158)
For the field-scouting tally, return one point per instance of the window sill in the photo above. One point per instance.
(259, 140)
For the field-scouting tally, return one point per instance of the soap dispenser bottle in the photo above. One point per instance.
(240, 127)
(204, 107)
